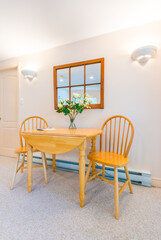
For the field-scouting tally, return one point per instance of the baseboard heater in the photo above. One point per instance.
(138, 178)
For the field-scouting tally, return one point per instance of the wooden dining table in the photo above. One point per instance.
(61, 140)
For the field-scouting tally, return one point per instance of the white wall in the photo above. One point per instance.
(130, 89)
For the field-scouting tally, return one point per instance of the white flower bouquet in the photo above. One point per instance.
(74, 106)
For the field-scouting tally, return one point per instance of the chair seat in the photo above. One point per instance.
(109, 158)
(24, 150)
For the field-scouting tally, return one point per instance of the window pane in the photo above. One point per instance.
(93, 92)
(79, 90)
(63, 93)
(77, 75)
(93, 73)
(63, 77)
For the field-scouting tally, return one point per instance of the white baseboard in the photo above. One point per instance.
(156, 182)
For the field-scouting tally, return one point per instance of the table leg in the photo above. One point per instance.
(29, 167)
(53, 164)
(93, 149)
(82, 148)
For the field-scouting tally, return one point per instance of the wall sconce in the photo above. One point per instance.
(143, 54)
(29, 74)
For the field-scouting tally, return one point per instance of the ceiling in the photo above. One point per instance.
(28, 26)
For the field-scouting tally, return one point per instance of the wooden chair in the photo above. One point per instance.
(118, 132)
(33, 122)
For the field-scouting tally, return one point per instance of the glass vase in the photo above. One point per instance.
(72, 123)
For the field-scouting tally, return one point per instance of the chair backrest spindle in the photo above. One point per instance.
(32, 123)
(110, 136)
(106, 139)
(123, 132)
(114, 136)
(118, 135)
(36, 123)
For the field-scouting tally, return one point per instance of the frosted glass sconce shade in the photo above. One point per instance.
(29, 74)
(143, 54)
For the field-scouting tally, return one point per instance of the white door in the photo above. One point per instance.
(8, 112)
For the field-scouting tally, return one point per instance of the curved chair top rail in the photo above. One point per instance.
(118, 132)
(29, 123)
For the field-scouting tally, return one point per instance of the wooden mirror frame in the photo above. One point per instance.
(83, 63)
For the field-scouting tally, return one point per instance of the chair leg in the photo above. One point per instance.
(23, 160)
(103, 171)
(128, 178)
(93, 169)
(116, 193)
(15, 172)
(87, 173)
(54, 163)
(45, 161)
(44, 167)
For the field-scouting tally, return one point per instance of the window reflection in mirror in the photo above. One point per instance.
(93, 73)
(63, 93)
(77, 75)
(93, 92)
(79, 90)
(63, 77)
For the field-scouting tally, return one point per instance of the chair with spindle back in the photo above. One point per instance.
(118, 132)
(29, 123)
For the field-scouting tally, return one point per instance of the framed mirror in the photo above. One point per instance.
(85, 77)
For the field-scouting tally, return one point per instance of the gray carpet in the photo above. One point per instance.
(52, 211)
